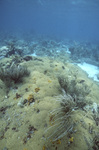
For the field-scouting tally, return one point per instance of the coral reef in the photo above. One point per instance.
(46, 112)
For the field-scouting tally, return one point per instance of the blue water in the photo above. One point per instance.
(72, 19)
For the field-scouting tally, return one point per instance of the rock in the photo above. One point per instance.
(5, 148)
(27, 58)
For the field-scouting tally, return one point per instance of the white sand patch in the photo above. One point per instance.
(33, 54)
(91, 70)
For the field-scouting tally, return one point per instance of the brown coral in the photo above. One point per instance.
(37, 89)
(30, 99)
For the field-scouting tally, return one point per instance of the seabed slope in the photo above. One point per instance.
(23, 126)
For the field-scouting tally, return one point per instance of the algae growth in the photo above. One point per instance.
(55, 107)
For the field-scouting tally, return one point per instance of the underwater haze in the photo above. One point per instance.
(49, 74)
(73, 19)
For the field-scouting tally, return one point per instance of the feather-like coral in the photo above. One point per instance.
(14, 73)
(61, 119)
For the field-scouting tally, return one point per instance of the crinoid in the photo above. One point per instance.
(61, 119)
(78, 90)
(96, 142)
(14, 73)
(73, 99)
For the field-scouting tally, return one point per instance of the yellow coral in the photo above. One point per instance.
(71, 139)
(44, 147)
(49, 81)
(30, 99)
(58, 141)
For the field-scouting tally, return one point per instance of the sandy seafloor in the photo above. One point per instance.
(22, 128)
